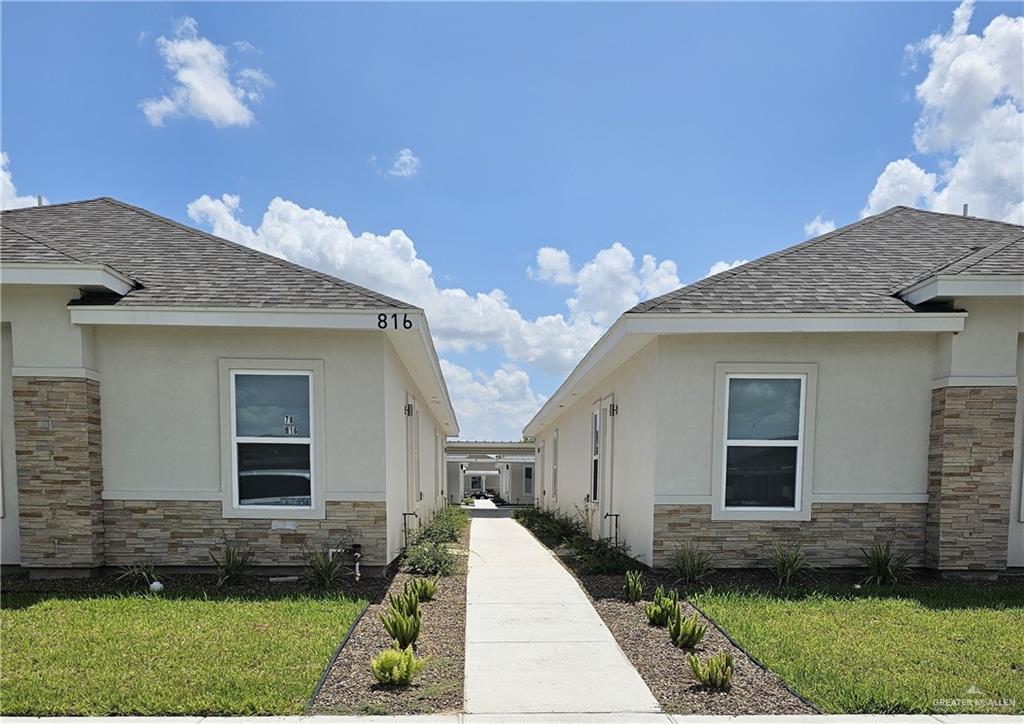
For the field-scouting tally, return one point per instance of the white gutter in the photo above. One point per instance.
(948, 286)
(66, 274)
(646, 326)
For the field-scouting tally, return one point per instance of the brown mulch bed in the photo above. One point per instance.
(349, 687)
(666, 669)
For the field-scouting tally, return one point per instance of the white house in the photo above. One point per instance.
(165, 390)
(861, 386)
(504, 468)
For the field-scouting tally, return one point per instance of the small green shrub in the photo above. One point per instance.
(445, 527)
(716, 672)
(787, 563)
(552, 527)
(634, 586)
(141, 574)
(664, 607)
(691, 563)
(686, 633)
(423, 588)
(326, 564)
(885, 568)
(403, 628)
(233, 565)
(428, 558)
(395, 667)
(407, 602)
(601, 556)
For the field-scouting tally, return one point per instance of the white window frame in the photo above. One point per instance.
(554, 466)
(807, 374)
(533, 481)
(237, 439)
(594, 476)
(314, 370)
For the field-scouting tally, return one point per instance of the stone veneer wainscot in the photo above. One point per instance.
(970, 462)
(60, 471)
(183, 532)
(833, 537)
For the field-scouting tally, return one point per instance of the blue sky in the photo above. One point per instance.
(694, 133)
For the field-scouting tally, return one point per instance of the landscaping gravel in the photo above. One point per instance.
(350, 688)
(666, 669)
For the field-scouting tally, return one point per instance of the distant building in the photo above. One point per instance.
(505, 469)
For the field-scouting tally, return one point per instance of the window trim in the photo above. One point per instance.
(533, 482)
(804, 445)
(554, 466)
(227, 369)
(595, 453)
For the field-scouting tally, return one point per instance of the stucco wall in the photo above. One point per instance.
(161, 415)
(872, 414)
(635, 387)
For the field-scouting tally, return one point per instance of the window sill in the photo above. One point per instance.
(282, 513)
(718, 513)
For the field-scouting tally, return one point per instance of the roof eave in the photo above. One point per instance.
(950, 286)
(66, 274)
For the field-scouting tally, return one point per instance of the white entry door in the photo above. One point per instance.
(605, 465)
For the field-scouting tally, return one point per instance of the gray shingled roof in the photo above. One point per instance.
(857, 268)
(173, 264)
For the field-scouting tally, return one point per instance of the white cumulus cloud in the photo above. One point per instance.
(493, 406)
(389, 263)
(9, 198)
(720, 266)
(818, 226)
(971, 124)
(608, 284)
(204, 86)
(405, 165)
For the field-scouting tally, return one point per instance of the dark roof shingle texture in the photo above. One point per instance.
(174, 265)
(856, 269)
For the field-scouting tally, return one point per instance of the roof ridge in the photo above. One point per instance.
(47, 244)
(760, 261)
(960, 216)
(51, 206)
(391, 301)
(986, 251)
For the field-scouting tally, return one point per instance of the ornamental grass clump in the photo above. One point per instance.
(325, 565)
(716, 672)
(690, 564)
(139, 574)
(423, 588)
(885, 568)
(233, 565)
(686, 633)
(634, 586)
(787, 563)
(396, 667)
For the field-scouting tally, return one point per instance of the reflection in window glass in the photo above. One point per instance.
(764, 409)
(762, 445)
(760, 477)
(273, 474)
(271, 405)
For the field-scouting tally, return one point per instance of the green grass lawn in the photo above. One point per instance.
(141, 654)
(925, 649)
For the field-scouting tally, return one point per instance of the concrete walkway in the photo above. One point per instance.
(534, 644)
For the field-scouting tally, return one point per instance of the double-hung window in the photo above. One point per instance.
(595, 453)
(272, 438)
(763, 441)
(528, 480)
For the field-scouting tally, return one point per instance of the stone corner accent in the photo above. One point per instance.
(183, 532)
(834, 536)
(60, 471)
(970, 459)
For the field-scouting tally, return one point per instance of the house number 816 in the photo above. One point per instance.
(384, 323)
